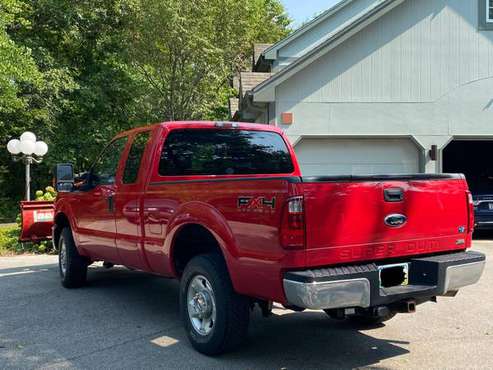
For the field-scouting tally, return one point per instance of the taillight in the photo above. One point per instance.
(470, 212)
(293, 224)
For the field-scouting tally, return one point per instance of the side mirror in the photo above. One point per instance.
(64, 177)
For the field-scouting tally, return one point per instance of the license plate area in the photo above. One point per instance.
(394, 275)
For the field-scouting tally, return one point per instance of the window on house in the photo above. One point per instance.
(489, 11)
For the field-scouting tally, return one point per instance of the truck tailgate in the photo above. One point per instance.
(353, 219)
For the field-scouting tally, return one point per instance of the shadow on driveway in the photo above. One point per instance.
(483, 235)
(126, 319)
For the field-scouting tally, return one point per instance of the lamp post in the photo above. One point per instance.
(31, 151)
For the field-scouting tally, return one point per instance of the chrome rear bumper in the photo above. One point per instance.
(359, 286)
(331, 294)
(459, 276)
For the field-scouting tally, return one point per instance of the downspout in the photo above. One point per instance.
(260, 108)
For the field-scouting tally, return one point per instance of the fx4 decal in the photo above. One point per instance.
(256, 203)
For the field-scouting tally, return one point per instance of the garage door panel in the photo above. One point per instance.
(357, 156)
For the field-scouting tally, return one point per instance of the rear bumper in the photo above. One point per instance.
(359, 286)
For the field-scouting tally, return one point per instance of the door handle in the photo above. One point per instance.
(111, 203)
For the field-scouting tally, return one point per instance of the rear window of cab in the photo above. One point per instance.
(188, 152)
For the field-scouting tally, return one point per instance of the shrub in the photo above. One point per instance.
(49, 194)
(9, 208)
(10, 245)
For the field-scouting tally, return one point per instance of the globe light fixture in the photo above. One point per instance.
(14, 146)
(40, 148)
(30, 151)
(28, 136)
(27, 147)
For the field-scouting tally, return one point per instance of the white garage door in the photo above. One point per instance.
(319, 157)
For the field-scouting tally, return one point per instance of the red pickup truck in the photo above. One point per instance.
(224, 208)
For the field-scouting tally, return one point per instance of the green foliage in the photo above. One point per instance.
(8, 210)
(188, 60)
(18, 71)
(10, 245)
(78, 72)
(48, 195)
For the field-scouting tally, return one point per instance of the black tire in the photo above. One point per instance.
(232, 311)
(370, 320)
(72, 266)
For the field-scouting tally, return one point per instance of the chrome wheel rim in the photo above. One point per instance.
(201, 304)
(62, 256)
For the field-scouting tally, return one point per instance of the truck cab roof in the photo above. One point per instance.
(206, 124)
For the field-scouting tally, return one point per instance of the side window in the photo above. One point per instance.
(224, 152)
(104, 170)
(134, 159)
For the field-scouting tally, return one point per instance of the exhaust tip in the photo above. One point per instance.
(411, 306)
(405, 307)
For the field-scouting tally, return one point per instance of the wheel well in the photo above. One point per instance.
(61, 221)
(192, 240)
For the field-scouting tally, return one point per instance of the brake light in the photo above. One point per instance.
(293, 224)
(470, 212)
(226, 125)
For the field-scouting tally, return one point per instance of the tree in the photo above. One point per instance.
(187, 51)
(18, 71)
(20, 79)
(63, 76)
(80, 47)
(78, 72)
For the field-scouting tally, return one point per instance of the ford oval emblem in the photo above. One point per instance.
(395, 220)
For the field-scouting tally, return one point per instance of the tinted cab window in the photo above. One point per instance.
(134, 159)
(104, 170)
(224, 152)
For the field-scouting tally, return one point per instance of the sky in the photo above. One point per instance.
(303, 10)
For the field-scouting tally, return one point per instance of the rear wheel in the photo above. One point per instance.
(73, 267)
(215, 317)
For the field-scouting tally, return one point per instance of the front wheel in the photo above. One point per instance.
(215, 317)
(73, 267)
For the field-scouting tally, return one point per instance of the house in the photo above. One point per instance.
(382, 86)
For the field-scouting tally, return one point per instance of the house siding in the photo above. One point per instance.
(416, 53)
(318, 34)
(423, 70)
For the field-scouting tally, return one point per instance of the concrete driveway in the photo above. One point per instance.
(130, 320)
